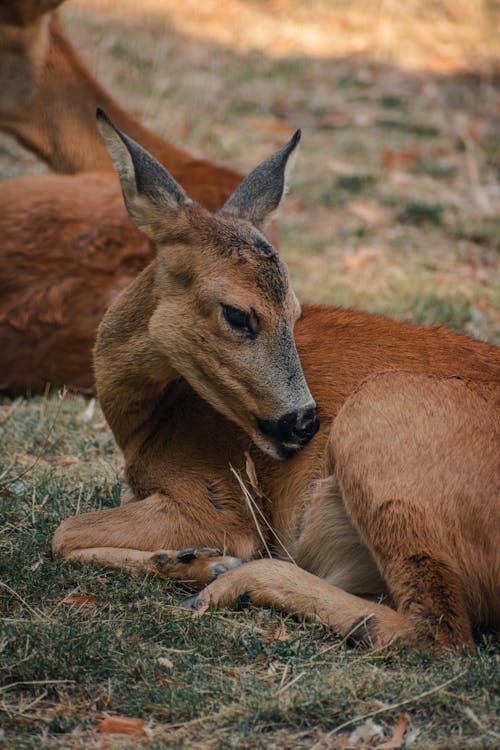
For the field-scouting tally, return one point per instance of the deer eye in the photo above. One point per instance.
(239, 320)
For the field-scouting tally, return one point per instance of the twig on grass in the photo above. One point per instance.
(35, 612)
(34, 682)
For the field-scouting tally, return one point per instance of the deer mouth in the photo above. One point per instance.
(291, 432)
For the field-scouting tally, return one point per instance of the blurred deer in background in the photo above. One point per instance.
(67, 245)
(197, 362)
(48, 100)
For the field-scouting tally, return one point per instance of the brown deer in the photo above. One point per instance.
(67, 244)
(48, 100)
(197, 362)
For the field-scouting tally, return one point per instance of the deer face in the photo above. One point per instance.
(226, 311)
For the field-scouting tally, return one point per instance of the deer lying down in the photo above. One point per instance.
(377, 449)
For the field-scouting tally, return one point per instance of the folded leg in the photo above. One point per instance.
(158, 535)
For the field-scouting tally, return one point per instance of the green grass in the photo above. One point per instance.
(419, 212)
(230, 683)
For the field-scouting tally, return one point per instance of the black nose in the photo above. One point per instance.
(295, 428)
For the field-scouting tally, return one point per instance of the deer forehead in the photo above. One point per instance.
(231, 253)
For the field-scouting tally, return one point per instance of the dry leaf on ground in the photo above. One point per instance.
(81, 599)
(172, 683)
(124, 725)
(281, 634)
(68, 461)
(396, 159)
(398, 733)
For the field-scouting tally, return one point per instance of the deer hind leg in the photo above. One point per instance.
(157, 535)
(286, 586)
(397, 446)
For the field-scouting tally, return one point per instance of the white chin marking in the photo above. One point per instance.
(269, 448)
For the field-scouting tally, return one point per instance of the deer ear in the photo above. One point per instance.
(148, 189)
(262, 191)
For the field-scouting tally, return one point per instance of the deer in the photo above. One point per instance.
(67, 244)
(49, 97)
(374, 443)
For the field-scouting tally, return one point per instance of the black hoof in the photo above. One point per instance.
(192, 603)
(361, 632)
(186, 555)
(244, 601)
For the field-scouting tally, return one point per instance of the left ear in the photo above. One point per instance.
(262, 191)
(148, 189)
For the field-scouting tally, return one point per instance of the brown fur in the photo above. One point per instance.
(396, 494)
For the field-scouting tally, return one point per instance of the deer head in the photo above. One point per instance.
(225, 310)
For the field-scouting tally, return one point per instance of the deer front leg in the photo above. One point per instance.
(191, 544)
(284, 585)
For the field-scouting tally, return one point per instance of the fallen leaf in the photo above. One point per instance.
(395, 159)
(101, 426)
(81, 599)
(173, 683)
(68, 461)
(124, 725)
(281, 634)
(398, 732)
(165, 662)
(252, 475)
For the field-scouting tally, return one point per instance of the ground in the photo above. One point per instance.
(394, 209)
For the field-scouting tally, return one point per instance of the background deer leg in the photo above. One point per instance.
(286, 586)
(158, 535)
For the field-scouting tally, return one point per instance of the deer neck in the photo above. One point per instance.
(51, 108)
(132, 376)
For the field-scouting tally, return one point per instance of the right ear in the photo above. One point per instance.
(148, 189)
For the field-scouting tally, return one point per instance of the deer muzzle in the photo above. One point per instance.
(293, 430)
